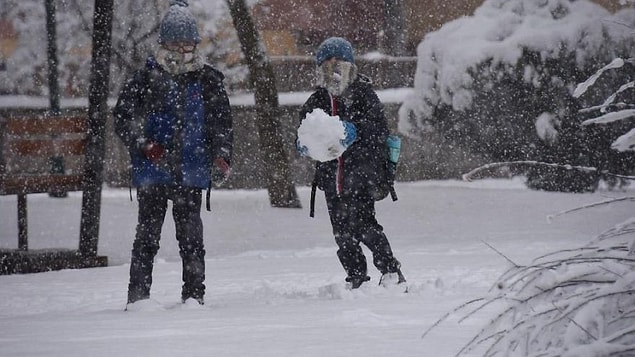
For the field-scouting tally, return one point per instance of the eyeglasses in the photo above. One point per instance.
(334, 65)
(180, 47)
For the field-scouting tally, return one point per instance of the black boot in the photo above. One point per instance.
(357, 281)
(394, 279)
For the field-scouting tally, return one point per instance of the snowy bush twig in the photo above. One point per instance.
(626, 142)
(612, 200)
(448, 314)
(581, 302)
(584, 86)
(470, 176)
(500, 253)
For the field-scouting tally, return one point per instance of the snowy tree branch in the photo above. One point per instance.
(470, 176)
(610, 201)
(501, 254)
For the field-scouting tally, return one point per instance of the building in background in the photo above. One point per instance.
(8, 41)
(291, 31)
(291, 28)
(297, 27)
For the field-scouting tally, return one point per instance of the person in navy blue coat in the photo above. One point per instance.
(174, 117)
(352, 181)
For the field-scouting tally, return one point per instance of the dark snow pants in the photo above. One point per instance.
(353, 221)
(186, 210)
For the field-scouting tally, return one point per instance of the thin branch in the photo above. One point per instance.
(615, 22)
(86, 25)
(574, 322)
(606, 173)
(469, 176)
(596, 204)
(501, 254)
(447, 314)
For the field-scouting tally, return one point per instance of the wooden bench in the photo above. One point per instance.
(31, 146)
(40, 153)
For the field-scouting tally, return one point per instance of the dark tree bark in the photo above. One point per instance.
(51, 49)
(56, 161)
(97, 115)
(394, 27)
(282, 192)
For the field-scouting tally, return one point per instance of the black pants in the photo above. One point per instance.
(353, 221)
(153, 202)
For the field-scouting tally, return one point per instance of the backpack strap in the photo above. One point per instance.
(393, 193)
(208, 205)
(312, 204)
(208, 75)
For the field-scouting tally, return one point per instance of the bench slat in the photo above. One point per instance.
(45, 125)
(44, 147)
(24, 184)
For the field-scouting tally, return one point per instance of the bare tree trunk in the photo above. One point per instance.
(282, 192)
(97, 114)
(394, 27)
(51, 50)
(57, 161)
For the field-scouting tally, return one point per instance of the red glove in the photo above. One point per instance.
(222, 165)
(221, 172)
(153, 151)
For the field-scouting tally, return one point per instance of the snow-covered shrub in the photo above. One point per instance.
(577, 302)
(489, 81)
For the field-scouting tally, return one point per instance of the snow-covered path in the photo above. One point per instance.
(275, 287)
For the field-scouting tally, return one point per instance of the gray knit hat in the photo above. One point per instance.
(178, 24)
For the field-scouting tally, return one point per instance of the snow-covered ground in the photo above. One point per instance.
(275, 287)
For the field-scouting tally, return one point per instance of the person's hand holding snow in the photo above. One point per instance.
(323, 137)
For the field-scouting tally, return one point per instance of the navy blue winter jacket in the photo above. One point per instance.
(188, 114)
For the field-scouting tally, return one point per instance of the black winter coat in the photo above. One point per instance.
(362, 167)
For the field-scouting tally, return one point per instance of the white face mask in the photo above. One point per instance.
(176, 62)
(335, 76)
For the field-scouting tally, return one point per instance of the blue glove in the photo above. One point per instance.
(351, 134)
(302, 149)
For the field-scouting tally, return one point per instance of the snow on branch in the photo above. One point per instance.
(625, 142)
(609, 101)
(584, 86)
(470, 176)
(611, 117)
(527, 163)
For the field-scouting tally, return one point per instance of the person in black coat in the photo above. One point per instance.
(174, 117)
(352, 181)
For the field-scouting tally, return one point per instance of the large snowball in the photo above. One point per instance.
(322, 135)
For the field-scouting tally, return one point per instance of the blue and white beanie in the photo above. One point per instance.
(335, 47)
(178, 24)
